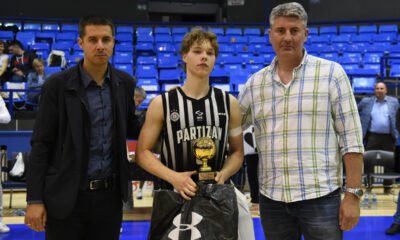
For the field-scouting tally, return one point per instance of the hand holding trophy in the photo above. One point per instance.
(204, 150)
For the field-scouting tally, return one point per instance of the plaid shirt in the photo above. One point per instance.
(303, 129)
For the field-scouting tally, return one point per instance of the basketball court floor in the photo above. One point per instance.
(375, 219)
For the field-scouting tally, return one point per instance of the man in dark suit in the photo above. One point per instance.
(378, 120)
(77, 172)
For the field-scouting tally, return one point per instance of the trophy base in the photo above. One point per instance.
(207, 176)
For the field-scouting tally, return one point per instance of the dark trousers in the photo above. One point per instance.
(97, 215)
(315, 219)
(251, 167)
(377, 141)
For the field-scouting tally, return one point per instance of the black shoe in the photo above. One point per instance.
(394, 229)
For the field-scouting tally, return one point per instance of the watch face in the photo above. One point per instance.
(359, 192)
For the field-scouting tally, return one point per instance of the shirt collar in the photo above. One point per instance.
(274, 62)
(384, 100)
(86, 79)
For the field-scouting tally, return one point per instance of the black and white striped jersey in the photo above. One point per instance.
(187, 119)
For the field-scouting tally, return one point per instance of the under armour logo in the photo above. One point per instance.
(195, 233)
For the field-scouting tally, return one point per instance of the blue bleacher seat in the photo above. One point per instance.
(252, 68)
(225, 48)
(320, 39)
(373, 57)
(146, 71)
(374, 68)
(219, 31)
(163, 39)
(75, 57)
(124, 37)
(145, 38)
(76, 48)
(377, 48)
(268, 57)
(241, 48)
(385, 37)
(239, 39)
(144, 31)
(232, 68)
(146, 60)
(330, 56)
(6, 35)
(67, 27)
(42, 54)
(40, 46)
(162, 31)
(125, 29)
(328, 49)
(179, 30)
(356, 55)
(123, 58)
(257, 39)
(32, 27)
(349, 30)
(148, 84)
(340, 39)
(170, 75)
(64, 46)
(124, 47)
(239, 77)
(349, 68)
(10, 24)
(66, 37)
(367, 29)
(167, 62)
(391, 28)
(48, 37)
(177, 38)
(353, 49)
(394, 71)
(165, 47)
(166, 86)
(255, 60)
(224, 39)
(51, 70)
(328, 30)
(313, 31)
(366, 38)
(363, 84)
(125, 67)
(233, 31)
(50, 27)
(219, 75)
(252, 32)
(144, 49)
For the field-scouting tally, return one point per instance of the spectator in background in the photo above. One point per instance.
(21, 62)
(378, 120)
(306, 124)
(3, 63)
(36, 79)
(4, 118)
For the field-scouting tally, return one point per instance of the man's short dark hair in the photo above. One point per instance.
(15, 43)
(94, 20)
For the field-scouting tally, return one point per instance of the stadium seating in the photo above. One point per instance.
(32, 27)
(50, 27)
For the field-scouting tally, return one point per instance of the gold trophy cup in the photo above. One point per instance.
(204, 150)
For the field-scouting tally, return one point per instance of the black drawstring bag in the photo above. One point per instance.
(211, 214)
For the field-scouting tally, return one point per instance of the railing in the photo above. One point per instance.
(11, 97)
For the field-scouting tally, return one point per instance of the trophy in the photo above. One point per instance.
(204, 150)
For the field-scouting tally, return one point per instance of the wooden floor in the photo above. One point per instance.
(385, 206)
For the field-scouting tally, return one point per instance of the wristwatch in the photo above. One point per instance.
(358, 192)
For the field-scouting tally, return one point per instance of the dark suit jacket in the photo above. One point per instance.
(60, 142)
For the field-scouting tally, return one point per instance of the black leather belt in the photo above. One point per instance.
(100, 184)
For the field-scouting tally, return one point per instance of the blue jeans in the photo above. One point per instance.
(315, 219)
(397, 214)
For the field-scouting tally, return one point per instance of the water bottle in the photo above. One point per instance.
(365, 203)
(374, 201)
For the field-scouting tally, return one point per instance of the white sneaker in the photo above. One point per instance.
(139, 194)
(4, 228)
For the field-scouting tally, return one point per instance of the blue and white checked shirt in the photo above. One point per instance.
(302, 130)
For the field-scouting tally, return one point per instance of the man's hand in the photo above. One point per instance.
(184, 184)
(349, 213)
(18, 72)
(36, 216)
